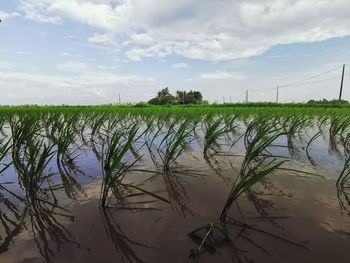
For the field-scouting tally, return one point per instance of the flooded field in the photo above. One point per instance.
(163, 185)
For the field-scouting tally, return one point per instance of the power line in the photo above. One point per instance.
(310, 82)
(312, 77)
(302, 82)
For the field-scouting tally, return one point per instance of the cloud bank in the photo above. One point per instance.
(212, 30)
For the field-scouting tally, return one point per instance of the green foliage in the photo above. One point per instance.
(258, 162)
(325, 101)
(163, 98)
(191, 97)
(182, 97)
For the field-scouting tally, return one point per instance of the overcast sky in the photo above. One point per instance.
(89, 51)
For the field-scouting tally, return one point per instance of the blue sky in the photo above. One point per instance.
(89, 51)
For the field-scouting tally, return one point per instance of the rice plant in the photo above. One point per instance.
(320, 124)
(344, 177)
(63, 135)
(258, 162)
(216, 129)
(174, 141)
(338, 126)
(32, 168)
(4, 149)
(116, 165)
(293, 125)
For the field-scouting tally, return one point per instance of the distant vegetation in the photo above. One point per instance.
(164, 97)
(325, 101)
(182, 97)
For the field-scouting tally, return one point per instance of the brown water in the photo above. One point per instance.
(305, 210)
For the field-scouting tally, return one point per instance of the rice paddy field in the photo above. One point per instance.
(173, 184)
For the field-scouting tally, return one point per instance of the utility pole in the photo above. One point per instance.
(119, 98)
(341, 83)
(246, 96)
(223, 99)
(277, 95)
(183, 97)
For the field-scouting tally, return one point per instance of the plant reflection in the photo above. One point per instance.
(122, 243)
(41, 217)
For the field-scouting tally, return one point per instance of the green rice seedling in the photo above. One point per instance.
(216, 129)
(96, 123)
(320, 123)
(338, 126)
(31, 154)
(153, 131)
(5, 146)
(63, 135)
(32, 167)
(261, 133)
(258, 162)
(344, 176)
(116, 166)
(174, 142)
(206, 240)
(24, 128)
(292, 126)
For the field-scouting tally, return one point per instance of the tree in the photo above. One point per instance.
(191, 97)
(163, 97)
(325, 101)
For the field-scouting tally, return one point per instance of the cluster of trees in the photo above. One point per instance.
(325, 101)
(164, 97)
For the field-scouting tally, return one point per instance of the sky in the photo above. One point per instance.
(90, 51)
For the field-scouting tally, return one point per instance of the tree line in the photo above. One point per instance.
(164, 97)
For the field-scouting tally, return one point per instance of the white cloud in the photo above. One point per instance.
(7, 65)
(207, 30)
(4, 15)
(74, 67)
(220, 75)
(105, 40)
(105, 67)
(69, 54)
(90, 88)
(180, 65)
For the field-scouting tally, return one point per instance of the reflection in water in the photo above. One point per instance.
(263, 205)
(177, 194)
(293, 151)
(215, 166)
(227, 234)
(40, 217)
(216, 236)
(122, 243)
(69, 182)
(344, 200)
(311, 160)
(44, 217)
(11, 218)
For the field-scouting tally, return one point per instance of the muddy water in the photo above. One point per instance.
(305, 211)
